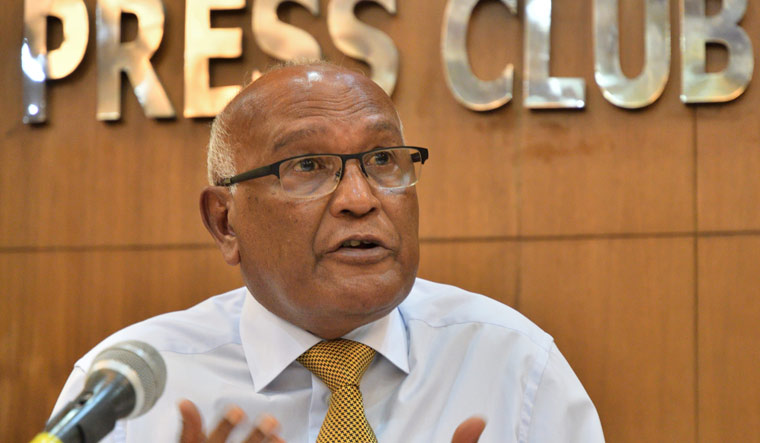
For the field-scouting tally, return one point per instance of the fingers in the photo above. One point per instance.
(469, 431)
(192, 427)
(265, 431)
(231, 418)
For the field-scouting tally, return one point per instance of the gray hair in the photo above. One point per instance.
(220, 158)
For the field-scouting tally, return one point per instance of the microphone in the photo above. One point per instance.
(125, 380)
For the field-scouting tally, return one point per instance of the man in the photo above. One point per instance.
(313, 196)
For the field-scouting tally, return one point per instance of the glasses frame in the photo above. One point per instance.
(274, 168)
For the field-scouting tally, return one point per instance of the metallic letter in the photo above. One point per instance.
(281, 40)
(648, 86)
(540, 90)
(357, 40)
(132, 57)
(201, 44)
(697, 30)
(469, 90)
(37, 63)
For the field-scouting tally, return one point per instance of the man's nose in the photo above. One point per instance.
(354, 194)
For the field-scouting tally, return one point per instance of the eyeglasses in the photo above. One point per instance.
(315, 175)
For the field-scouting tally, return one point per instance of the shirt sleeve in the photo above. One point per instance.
(71, 390)
(562, 410)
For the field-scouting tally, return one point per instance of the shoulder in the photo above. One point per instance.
(199, 329)
(444, 307)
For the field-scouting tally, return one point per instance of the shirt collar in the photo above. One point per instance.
(271, 344)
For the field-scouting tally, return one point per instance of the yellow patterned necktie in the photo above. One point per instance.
(340, 364)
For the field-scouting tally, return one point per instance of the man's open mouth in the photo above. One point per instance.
(358, 244)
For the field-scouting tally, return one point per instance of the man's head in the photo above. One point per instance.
(299, 256)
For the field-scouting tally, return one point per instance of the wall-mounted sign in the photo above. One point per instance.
(362, 42)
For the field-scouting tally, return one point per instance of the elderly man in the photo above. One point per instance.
(313, 196)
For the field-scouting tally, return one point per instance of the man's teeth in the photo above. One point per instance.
(355, 243)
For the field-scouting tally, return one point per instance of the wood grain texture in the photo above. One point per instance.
(485, 267)
(605, 169)
(77, 181)
(622, 313)
(469, 151)
(57, 305)
(729, 329)
(728, 149)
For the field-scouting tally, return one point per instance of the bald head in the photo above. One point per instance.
(295, 91)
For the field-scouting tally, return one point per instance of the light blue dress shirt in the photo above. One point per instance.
(442, 356)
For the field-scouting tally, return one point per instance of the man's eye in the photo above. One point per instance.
(306, 165)
(381, 158)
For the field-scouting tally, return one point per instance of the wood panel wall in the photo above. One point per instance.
(632, 237)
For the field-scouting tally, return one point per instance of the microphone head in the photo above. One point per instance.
(142, 365)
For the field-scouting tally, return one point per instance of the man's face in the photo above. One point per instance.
(296, 254)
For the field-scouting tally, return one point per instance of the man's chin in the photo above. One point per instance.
(361, 272)
(369, 294)
(361, 294)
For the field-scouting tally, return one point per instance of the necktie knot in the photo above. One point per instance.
(338, 363)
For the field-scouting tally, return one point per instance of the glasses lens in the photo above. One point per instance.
(310, 176)
(394, 168)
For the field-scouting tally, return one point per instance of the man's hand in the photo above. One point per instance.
(266, 430)
(192, 426)
(469, 431)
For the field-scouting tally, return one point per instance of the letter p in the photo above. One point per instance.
(37, 63)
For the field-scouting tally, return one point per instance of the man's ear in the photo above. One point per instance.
(216, 203)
